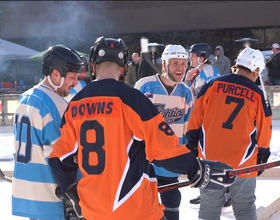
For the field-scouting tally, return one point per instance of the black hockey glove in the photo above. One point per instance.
(192, 146)
(212, 175)
(71, 201)
(260, 161)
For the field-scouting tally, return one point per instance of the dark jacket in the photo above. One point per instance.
(273, 65)
(132, 72)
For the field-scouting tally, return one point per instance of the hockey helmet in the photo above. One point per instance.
(201, 49)
(63, 59)
(251, 59)
(109, 49)
(174, 51)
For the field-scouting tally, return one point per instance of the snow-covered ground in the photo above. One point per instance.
(6, 163)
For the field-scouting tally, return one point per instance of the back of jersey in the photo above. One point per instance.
(98, 127)
(232, 121)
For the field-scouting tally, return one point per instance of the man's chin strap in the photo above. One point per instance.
(167, 77)
(199, 64)
(55, 87)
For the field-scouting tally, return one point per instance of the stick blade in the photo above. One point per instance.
(3, 177)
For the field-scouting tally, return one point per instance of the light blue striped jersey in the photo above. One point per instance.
(207, 72)
(175, 108)
(36, 129)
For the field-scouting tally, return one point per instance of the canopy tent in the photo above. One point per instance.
(39, 56)
(12, 51)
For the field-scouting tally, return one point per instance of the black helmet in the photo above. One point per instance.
(63, 59)
(201, 49)
(109, 49)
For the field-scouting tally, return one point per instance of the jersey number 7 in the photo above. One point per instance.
(240, 103)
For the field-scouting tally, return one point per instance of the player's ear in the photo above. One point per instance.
(257, 70)
(55, 74)
(93, 67)
(122, 70)
(201, 59)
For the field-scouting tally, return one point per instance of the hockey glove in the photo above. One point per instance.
(260, 161)
(70, 198)
(192, 146)
(212, 175)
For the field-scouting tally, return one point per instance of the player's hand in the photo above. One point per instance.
(212, 175)
(191, 74)
(192, 146)
(71, 198)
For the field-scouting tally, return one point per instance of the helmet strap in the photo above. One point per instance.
(199, 64)
(167, 77)
(54, 86)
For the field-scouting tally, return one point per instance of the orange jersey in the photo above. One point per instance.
(114, 133)
(231, 122)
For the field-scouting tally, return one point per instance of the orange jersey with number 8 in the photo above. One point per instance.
(114, 133)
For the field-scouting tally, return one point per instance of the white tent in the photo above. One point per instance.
(12, 51)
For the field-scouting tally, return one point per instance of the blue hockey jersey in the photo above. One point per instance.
(207, 72)
(175, 108)
(36, 129)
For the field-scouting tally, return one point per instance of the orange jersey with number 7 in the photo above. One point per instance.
(231, 121)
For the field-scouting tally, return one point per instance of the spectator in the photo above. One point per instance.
(131, 75)
(202, 71)
(113, 133)
(227, 126)
(36, 128)
(145, 69)
(221, 62)
(273, 66)
(174, 100)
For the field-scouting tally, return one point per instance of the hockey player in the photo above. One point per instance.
(195, 79)
(231, 122)
(81, 84)
(36, 129)
(113, 133)
(82, 78)
(174, 100)
(202, 71)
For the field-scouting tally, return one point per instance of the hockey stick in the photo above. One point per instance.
(145, 50)
(263, 88)
(4, 177)
(256, 168)
(230, 173)
(174, 186)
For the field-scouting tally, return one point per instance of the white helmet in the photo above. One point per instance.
(251, 59)
(174, 51)
(170, 52)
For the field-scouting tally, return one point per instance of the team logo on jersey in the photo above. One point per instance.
(149, 95)
(170, 115)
